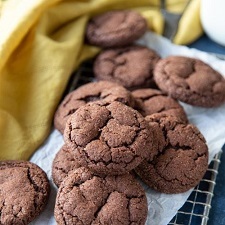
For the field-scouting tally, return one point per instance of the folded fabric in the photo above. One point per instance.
(41, 43)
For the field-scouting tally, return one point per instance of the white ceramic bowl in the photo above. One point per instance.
(213, 19)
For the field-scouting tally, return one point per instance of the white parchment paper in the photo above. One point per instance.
(211, 122)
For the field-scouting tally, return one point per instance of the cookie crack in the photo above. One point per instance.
(200, 156)
(81, 192)
(137, 133)
(100, 208)
(179, 147)
(128, 209)
(73, 216)
(77, 184)
(170, 78)
(32, 182)
(70, 130)
(164, 178)
(115, 67)
(133, 141)
(16, 214)
(60, 207)
(163, 109)
(3, 205)
(71, 111)
(36, 188)
(62, 169)
(91, 98)
(154, 162)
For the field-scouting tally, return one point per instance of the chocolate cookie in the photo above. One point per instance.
(130, 66)
(90, 92)
(182, 157)
(191, 81)
(24, 191)
(65, 160)
(150, 101)
(112, 137)
(115, 28)
(91, 200)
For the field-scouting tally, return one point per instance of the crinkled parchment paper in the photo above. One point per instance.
(211, 122)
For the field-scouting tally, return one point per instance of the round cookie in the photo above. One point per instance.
(190, 80)
(102, 90)
(115, 28)
(130, 66)
(112, 137)
(150, 101)
(84, 198)
(182, 158)
(65, 160)
(24, 191)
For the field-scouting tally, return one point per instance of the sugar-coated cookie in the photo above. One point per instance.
(130, 66)
(112, 137)
(182, 158)
(190, 80)
(115, 28)
(84, 198)
(24, 191)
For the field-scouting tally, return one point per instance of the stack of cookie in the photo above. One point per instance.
(105, 139)
(183, 78)
(130, 120)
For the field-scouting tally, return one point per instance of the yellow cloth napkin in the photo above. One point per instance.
(41, 43)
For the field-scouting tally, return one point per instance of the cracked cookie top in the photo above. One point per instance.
(115, 28)
(190, 80)
(65, 160)
(150, 101)
(182, 158)
(112, 137)
(94, 91)
(24, 191)
(130, 66)
(84, 198)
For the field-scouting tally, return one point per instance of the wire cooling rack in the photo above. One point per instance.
(196, 209)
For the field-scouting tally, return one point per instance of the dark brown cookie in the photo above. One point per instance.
(115, 28)
(150, 101)
(182, 158)
(190, 80)
(90, 92)
(91, 200)
(65, 160)
(24, 191)
(130, 66)
(113, 137)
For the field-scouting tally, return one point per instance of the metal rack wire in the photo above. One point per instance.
(196, 209)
